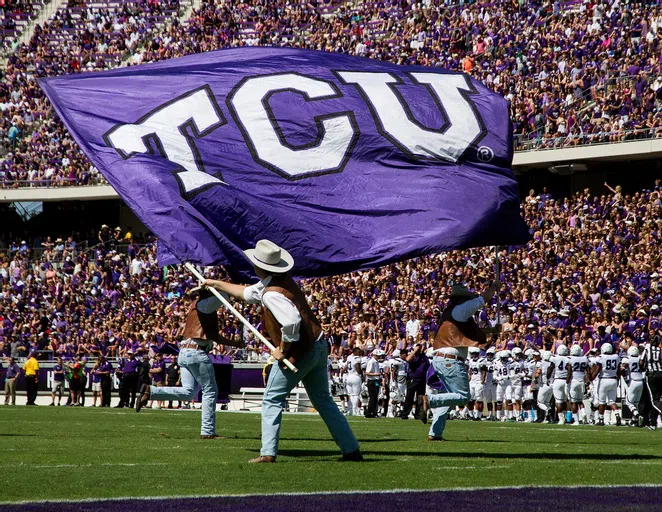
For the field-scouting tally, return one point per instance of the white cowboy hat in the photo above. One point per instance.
(268, 256)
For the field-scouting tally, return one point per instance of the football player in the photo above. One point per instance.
(504, 390)
(636, 377)
(517, 372)
(399, 369)
(593, 385)
(530, 385)
(489, 387)
(353, 374)
(560, 366)
(608, 369)
(579, 364)
(544, 374)
(477, 375)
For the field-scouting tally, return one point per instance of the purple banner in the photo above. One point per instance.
(348, 163)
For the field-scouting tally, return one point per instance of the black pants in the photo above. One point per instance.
(373, 393)
(31, 388)
(414, 387)
(387, 396)
(128, 389)
(652, 398)
(105, 391)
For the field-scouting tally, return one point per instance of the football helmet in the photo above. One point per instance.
(576, 351)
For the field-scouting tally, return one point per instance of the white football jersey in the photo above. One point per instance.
(475, 369)
(634, 368)
(352, 361)
(399, 369)
(609, 365)
(517, 371)
(560, 367)
(501, 370)
(544, 368)
(579, 365)
(531, 371)
(489, 366)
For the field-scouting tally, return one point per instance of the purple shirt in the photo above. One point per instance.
(158, 377)
(131, 366)
(12, 371)
(58, 377)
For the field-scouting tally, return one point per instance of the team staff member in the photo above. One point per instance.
(373, 379)
(200, 334)
(104, 371)
(458, 331)
(129, 383)
(31, 369)
(294, 328)
(10, 381)
(418, 364)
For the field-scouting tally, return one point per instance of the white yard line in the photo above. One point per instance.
(324, 493)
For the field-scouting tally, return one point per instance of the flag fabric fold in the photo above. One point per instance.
(348, 163)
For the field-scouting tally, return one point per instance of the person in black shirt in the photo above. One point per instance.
(652, 406)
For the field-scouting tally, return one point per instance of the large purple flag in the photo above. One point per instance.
(348, 163)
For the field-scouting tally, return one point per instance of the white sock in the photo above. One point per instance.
(575, 417)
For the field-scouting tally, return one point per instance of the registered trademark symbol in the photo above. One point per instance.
(485, 154)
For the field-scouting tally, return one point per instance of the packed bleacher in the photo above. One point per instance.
(14, 18)
(589, 276)
(576, 72)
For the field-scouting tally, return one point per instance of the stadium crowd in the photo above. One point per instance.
(575, 71)
(588, 278)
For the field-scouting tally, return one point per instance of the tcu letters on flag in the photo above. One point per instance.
(349, 163)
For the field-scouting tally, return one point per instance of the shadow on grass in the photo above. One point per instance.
(18, 435)
(322, 439)
(485, 455)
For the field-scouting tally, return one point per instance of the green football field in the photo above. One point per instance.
(70, 453)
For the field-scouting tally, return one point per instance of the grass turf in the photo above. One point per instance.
(73, 453)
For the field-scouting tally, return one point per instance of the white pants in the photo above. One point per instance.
(607, 391)
(489, 390)
(527, 393)
(504, 391)
(544, 397)
(353, 384)
(633, 395)
(516, 391)
(576, 391)
(595, 401)
(560, 391)
(476, 389)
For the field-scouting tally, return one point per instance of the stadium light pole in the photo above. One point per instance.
(236, 313)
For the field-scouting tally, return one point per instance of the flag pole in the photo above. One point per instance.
(497, 271)
(236, 313)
